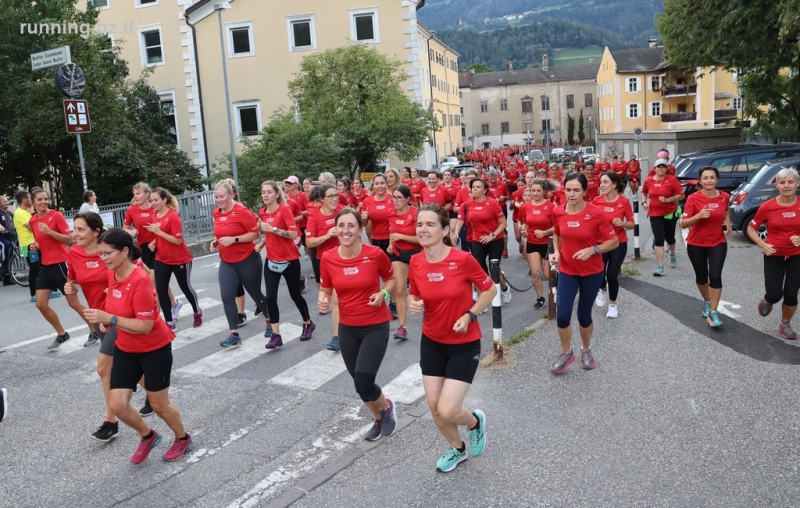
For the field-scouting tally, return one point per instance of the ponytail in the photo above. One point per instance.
(171, 200)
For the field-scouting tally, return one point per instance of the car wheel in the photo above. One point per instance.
(762, 230)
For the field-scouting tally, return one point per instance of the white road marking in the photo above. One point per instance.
(43, 337)
(182, 295)
(312, 372)
(407, 387)
(215, 265)
(721, 308)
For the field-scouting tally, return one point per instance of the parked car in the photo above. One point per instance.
(711, 151)
(758, 188)
(557, 153)
(536, 155)
(734, 166)
(448, 162)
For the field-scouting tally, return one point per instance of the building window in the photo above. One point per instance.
(587, 100)
(655, 108)
(633, 110)
(527, 127)
(484, 129)
(433, 80)
(99, 4)
(504, 127)
(655, 83)
(167, 98)
(484, 107)
(248, 119)
(570, 101)
(632, 84)
(503, 104)
(545, 103)
(444, 120)
(450, 119)
(527, 106)
(462, 109)
(364, 25)
(302, 32)
(737, 103)
(240, 39)
(151, 50)
(145, 3)
(546, 125)
(463, 131)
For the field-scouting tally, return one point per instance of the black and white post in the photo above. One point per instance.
(636, 252)
(497, 309)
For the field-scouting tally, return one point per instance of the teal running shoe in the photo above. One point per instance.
(477, 437)
(714, 319)
(706, 309)
(451, 458)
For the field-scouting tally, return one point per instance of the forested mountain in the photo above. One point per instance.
(526, 43)
(630, 19)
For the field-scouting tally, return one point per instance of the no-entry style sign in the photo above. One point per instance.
(76, 116)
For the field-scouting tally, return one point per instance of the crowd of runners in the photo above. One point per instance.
(410, 243)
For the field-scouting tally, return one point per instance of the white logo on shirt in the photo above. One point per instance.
(608, 209)
(400, 222)
(330, 222)
(223, 219)
(350, 270)
(380, 207)
(713, 205)
(116, 293)
(92, 264)
(365, 260)
(435, 277)
(573, 224)
(536, 212)
(788, 215)
(453, 265)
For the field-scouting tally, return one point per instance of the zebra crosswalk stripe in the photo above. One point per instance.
(312, 372)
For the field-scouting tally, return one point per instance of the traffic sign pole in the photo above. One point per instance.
(83, 166)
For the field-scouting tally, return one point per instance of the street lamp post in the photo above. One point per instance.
(220, 8)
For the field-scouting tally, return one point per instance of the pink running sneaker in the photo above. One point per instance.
(179, 448)
(198, 319)
(145, 445)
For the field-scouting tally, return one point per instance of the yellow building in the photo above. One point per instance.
(638, 89)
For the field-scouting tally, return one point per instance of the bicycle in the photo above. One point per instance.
(18, 267)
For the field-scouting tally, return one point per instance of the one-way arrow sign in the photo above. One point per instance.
(77, 122)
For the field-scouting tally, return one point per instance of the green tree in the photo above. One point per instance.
(581, 134)
(570, 129)
(478, 67)
(353, 94)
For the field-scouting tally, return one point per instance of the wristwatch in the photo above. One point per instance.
(596, 249)
(493, 235)
(236, 239)
(113, 321)
(472, 316)
(274, 230)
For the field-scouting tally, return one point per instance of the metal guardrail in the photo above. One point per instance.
(195, 211)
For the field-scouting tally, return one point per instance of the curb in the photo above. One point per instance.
(200, 247)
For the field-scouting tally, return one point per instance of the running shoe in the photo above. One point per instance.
(303, 285)
(233, 340)
(242, 319)
(764, 308)
(601, 299)
(477, 436)
(59, 340)
(706, 309)
(268, 330)
(714, 319)
(146, 410)
(539, 305)
(198, 319)
(673, 261)
(587, 360)
(172, 326)
(388, 419)
(274, 341)
(375, 432)
(3, 404)
(33, 299)
(786, 331)
(176, 310)
(145, 445)
(308, 329)
(613, 312)
(333, 345)
(179, 448)
(505, 253)
(257, 312)
(393, 310)
(91, 340)
(659, 271)
(401, 333)
(55, 294)
(562, 362)
(451, 458)
(106, 432)
(507, 295)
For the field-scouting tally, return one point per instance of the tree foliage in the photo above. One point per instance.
(353, 95)
(479, 68)
(570, 129)
(581, 134)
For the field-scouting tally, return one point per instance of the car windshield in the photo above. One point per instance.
(682, 166)
(761, 174)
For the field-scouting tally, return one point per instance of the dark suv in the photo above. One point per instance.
(734, 166)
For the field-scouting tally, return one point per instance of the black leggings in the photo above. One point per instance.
(183, 275)
(34, 273)
(707, 263)
(493, 249)
(292, 276)
(233, 276)
(363, 349)
(312, 253)
(663, 229)
(613, 264)
(782, 279)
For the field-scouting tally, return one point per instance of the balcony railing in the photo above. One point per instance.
(679, 117)
(723, 115)
(678, 90)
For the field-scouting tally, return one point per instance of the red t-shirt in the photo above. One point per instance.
(278, 247)
(578, 231)
(134, 297)
(620, 168)
(440, 195)
(446, 288)
(499, 190)
(707, 232)
(511, 175)
(416, 188)
(483, 217)
(355, 280)
(51, 250)
(89, 271)
(140, 217)
(516, 196)
(462, 196)
(602, 167)
(302, 200)
(378, 212)
(318, 225)
(238, 221)
(634, 170)
(454, 188)
(166, 252)
(404, 224)
(348, 200)
(783, 222)
(653, 188)
(619, 209)
(591, 189)
(537, 217)
(361, 195)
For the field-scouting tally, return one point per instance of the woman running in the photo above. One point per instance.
(781, 251)
(235, 230)
(392, 180)
(634, 174)
(283, 258)
(464, 234)
(143, 346)
(22, 219)
(359, 191)
(435, 192)
(536, 217)
(376, 211)
(514, 204)
(664, 191)
(705, 214)
(450, 347)
(346, 196)
(581, 233)
(619, 213)
(416, 185)
(172, 255)
(406, 179)
(452, 185)
(321, 235)
(403, 244)
(314, 203)
(137, 216)
(355, 270)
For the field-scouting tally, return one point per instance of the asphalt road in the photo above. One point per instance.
(674, 415)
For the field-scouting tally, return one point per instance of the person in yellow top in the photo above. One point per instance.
(22, 216)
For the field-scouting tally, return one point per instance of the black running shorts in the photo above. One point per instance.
(450, 361)
(128, 368)
(52, 277)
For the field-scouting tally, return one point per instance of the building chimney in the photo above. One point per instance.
(472, 70)
(591, 59)
(653, 42)
(545, 61)
(511, 65)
